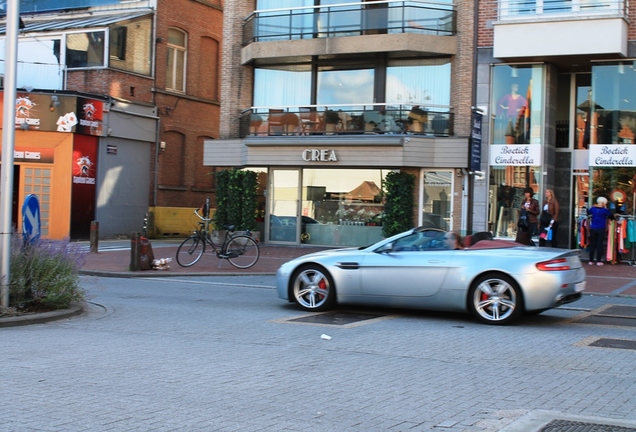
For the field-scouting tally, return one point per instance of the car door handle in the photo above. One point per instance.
(435, 261)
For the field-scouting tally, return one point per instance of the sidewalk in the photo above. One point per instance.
(615, 280)
(116, 262)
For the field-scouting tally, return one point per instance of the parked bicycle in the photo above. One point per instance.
(241, 250)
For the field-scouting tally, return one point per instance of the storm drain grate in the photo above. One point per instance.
(574, 426)
(614, 343)
(337, 318)
(614, 315)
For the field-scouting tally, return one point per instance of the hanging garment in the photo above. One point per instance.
(583, 233)
(621, 228)
(610, 253)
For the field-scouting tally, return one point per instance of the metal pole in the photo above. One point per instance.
(135, 251)
(94, 238)
(8, 145)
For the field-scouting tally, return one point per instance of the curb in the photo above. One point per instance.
(41, 318)
(143, 274)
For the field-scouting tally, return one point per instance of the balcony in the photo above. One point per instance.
(401, 27)
(553, 28)
(434, 121)
(37, 75)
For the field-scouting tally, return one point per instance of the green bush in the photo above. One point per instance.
(236, 199)
(398, 208)
(45, 275)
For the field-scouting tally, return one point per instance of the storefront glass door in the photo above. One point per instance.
(283, 198)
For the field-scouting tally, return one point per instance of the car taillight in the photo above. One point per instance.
(558, 264)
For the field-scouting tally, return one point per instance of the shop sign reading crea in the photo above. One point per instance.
(612, 155)
(515, 154)
(316, 155)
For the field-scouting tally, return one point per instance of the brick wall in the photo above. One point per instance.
(188, 119)
(462, 71)
(237, 80)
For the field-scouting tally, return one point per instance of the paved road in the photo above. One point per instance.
(217, 354)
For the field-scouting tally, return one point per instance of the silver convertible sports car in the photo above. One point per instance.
(495, 280)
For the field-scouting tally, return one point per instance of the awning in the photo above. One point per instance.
(64, 23)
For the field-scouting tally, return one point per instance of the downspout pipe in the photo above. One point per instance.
(473, 103)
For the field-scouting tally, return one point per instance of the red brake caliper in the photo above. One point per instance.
(322, 285)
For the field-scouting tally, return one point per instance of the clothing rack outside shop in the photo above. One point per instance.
(621, 230)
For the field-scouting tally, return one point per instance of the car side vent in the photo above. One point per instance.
(348, 265)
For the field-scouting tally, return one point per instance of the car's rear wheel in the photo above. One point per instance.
(495, 299)
(313, 288)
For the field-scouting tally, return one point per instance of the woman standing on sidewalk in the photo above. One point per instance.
(549, 219)
(599, 214)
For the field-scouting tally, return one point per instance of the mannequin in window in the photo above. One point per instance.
(512, 103)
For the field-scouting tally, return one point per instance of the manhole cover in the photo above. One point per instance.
(574, 426)
(614, 343)
(337, 318)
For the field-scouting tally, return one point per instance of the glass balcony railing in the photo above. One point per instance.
(351, 19)
(37, 75)
(343, 120)
(531, 9)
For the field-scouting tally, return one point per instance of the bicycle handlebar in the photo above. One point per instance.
(196, 212)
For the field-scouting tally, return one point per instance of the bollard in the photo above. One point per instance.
(94, 236)
(135, 251)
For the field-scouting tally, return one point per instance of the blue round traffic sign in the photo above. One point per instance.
(31, 219)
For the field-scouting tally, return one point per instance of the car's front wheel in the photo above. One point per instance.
(313, 288)
(495, 299)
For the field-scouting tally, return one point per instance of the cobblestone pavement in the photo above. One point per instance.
(218, 353)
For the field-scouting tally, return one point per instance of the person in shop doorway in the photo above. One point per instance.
(599, 214)
(549, 220)
(531, 205)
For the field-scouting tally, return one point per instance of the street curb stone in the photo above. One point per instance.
(41, 318)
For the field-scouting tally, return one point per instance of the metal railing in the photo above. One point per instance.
(351, 19)
(530, 9)
(314, 120)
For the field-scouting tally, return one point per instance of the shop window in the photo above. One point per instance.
(612, 103)
(517, 104)
(37, 181)
(85, 49)
(176, 62)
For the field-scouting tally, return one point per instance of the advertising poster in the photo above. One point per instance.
(83, 189)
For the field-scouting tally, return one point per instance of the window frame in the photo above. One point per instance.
(173, 51)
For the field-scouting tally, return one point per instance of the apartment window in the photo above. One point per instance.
(175, 74)
(85, 49)
(421, 82)
(130, 46)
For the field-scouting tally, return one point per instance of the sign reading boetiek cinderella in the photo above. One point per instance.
(614, 155)
(515, 154)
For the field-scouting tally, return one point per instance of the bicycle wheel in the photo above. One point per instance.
(242, 251)
(190, 251)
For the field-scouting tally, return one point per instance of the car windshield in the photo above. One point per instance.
(421, 240)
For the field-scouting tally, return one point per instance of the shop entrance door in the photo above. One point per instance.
(283, 203)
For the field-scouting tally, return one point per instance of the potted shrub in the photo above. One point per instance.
(236, 191)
